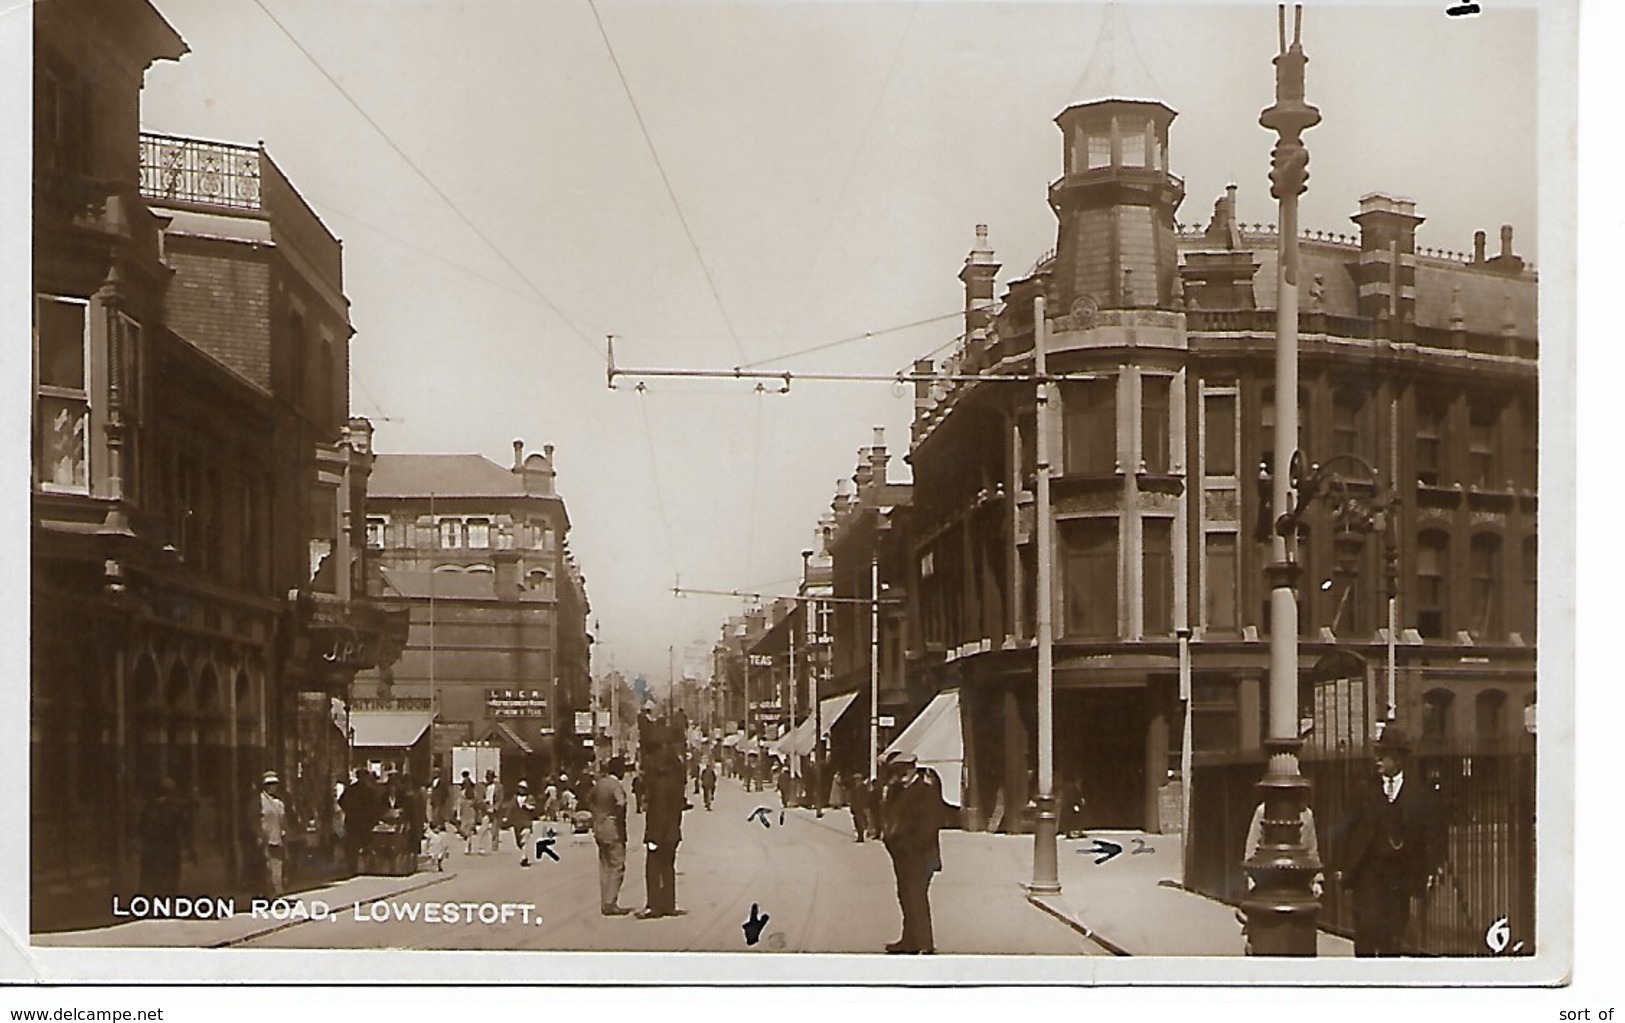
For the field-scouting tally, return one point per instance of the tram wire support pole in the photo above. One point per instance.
(1282, 909)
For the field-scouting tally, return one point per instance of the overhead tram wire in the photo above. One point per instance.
(852, 164)
(665, 180)
(853, 339)
(654, 477)
(755, 467)
(465, 218)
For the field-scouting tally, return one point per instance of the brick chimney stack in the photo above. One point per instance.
(1387, 272)
(1506, 262)
(842, 502)
(978, 276)
(878, 458)
(1478, 248)
(518, 455)
(863, 474)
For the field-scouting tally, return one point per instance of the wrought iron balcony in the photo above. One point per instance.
(220, 177)
(205, 173)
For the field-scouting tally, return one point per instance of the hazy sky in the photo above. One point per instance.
(830, 160)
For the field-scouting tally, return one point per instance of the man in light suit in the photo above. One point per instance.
(608, 805)
(1394, 851)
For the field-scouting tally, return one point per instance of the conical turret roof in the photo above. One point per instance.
(1115, 69)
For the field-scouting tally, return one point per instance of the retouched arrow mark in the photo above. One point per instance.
(1107, 849)
(760, 813)
(753, 926)
(544, 847)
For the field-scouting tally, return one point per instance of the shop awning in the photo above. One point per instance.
(504, 733)
(388, 729)
(935, 739)
(801, 740)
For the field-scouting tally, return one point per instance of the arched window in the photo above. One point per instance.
(1437, 725)
(1432, 583)
(1489, 716)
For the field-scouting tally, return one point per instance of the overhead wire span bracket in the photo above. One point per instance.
(685, 591)
(785, 377)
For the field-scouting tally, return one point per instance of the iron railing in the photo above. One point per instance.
(194, 171)
(1487, 806)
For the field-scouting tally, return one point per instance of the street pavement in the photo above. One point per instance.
(818, 888)
(1131, 903)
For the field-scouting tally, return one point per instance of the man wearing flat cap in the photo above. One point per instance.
(911, 814)
(1394, 850)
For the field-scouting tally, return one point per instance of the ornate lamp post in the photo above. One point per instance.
(1282, 908)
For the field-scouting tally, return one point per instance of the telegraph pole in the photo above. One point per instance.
(1046, 831)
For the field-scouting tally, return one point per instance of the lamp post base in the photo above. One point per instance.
(1282, 910)
(1046, 834)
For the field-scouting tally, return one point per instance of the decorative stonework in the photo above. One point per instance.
(1089, 503)
(1221, 505)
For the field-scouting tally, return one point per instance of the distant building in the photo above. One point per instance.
(498, 649)
(1419, 382)
(192, 458)
(870, 545)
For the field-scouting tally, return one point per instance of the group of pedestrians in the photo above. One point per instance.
(661, 785)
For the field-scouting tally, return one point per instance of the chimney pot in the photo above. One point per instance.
(880, 437)
(518, 454)
(1506, 240)
(1478, 246)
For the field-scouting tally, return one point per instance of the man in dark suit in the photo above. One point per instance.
(663, 831)
(911, 814)
(857, 797)
(1394, 849)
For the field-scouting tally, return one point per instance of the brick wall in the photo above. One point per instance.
(220, 300)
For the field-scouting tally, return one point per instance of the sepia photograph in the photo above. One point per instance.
(929, 492)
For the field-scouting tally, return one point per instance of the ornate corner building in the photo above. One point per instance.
(1419, 397)
(197, 607)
